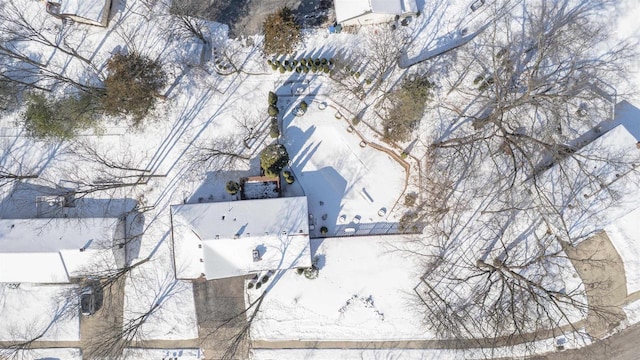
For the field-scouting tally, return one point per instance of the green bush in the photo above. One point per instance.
(325, 68)
(324, 230)
(305, 69)
(250, 285)
(355, 120)
(273, 158)
(314, 68)
(274, 130)
(274, 67)
(265, 279)
(290, 180)
(289, 68)
(404, 155)
(286, 173)
(303, 106)
(323, 61)
(273, 110)
(282, 69)
(300, 271)
(298, 69)
(258, 285)
(294, 62)
(60, 119)
(286, 63)
(303, 62)
(273, 98)
(269, 62)
(317, 62)
(232, 187)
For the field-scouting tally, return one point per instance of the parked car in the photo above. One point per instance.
(87, 302)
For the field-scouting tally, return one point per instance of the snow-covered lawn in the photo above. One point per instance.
(31, 310)
(363, 292)
(345, 183)
(154, 283)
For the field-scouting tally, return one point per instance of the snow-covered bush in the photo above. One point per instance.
(273, 98)
(273, 110)
(274, 130)
(273, 158)
(232, 187)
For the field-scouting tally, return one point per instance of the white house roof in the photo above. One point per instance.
(225, 234)
(93, 10)
(609, 162)
(48, 250)
(349, 9)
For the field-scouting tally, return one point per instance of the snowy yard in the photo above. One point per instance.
(32, 310)
(346, 185)
(365, 288)
(363, 292)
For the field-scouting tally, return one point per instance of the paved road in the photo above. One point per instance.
(623, 346)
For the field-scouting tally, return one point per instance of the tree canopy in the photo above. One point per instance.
(273, 158)
(281, 32)
(132, 85)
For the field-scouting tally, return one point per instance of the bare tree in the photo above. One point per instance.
(510, 181)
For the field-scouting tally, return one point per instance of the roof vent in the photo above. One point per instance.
(256, 255)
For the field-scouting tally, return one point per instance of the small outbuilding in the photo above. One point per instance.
(92, 12)
(368, 12)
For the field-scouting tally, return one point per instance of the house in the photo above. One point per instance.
(227, 239)
(367, 12)
(55, 250)
(92, 12)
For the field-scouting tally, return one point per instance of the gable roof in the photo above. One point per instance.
(96, 11)
(48, 250)
(223, 235)
(349, 9)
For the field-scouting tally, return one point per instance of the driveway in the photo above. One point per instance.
(219, 309)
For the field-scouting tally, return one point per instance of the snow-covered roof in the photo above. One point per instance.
(225, 234)
(93, 10)
(609, 162)
(624, 235)
(349, 9)
(49, 250)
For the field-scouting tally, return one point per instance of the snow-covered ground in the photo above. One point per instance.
(346, 184)
(174, 354)
(29, 311)
(48, 354)
(364, 288)
(363, 292)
